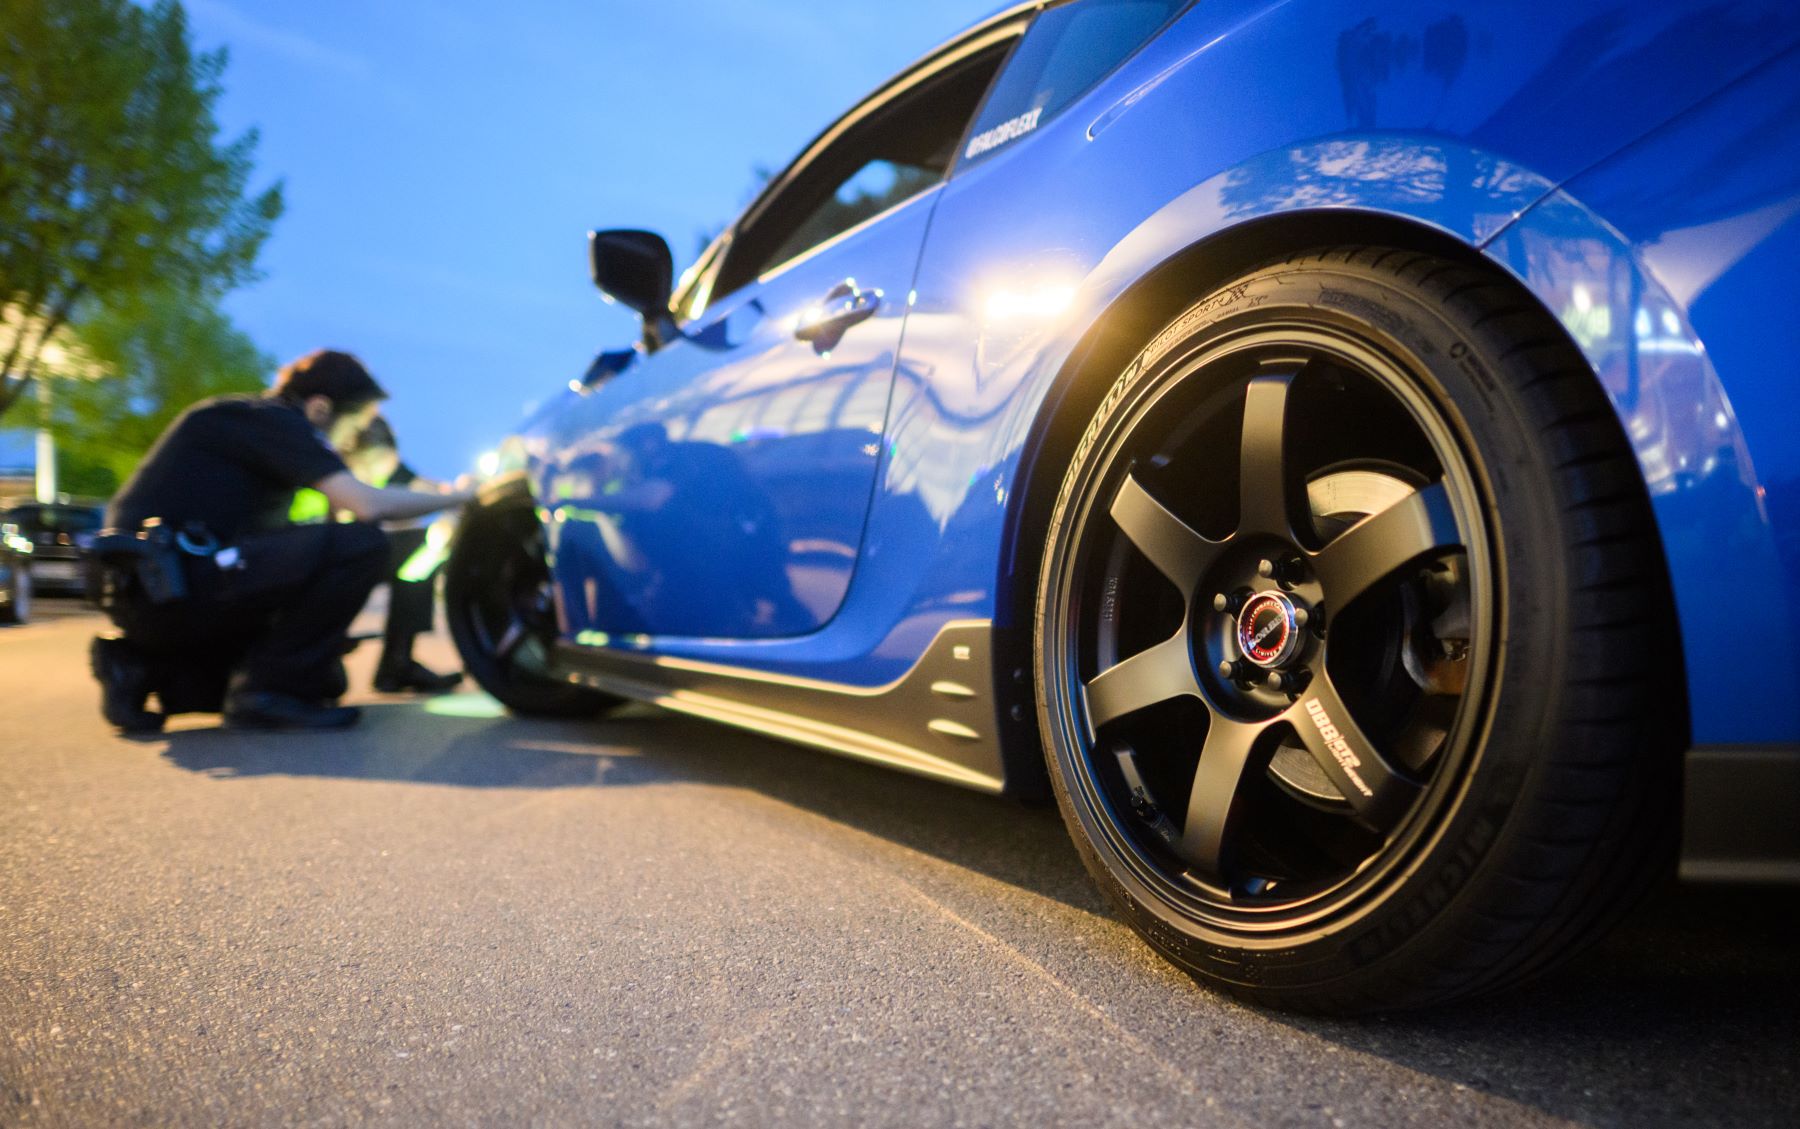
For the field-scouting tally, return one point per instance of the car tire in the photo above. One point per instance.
(17, 608)
(497, 600)
(1355, 658)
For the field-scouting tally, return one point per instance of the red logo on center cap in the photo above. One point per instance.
(1265, 628)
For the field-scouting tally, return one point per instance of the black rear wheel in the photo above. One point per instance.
(500, 608)
(1346, 703)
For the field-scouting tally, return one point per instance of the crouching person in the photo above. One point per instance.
(220, 602)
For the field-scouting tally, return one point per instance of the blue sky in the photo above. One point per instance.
(444, 159)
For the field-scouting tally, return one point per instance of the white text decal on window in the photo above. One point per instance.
(1002, 133)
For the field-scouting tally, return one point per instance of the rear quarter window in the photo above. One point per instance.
(1068, 49)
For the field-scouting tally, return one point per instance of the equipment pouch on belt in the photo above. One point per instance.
(149, 560)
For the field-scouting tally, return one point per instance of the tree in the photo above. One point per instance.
(163, 351)
(113, 180)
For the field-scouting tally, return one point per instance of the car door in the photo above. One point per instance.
(719, 485)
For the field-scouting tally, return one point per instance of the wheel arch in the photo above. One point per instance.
(1107, 345)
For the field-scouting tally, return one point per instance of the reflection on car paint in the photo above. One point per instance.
(1679, 282)
(1588, 148)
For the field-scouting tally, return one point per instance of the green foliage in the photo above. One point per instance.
(167, 351)
(81, 478)
(113, 180)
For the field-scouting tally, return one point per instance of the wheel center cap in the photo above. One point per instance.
(1267, 633)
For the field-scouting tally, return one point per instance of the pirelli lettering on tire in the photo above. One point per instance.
(1340, 748)
(1004, 132)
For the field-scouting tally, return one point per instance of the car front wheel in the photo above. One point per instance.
(498, 601)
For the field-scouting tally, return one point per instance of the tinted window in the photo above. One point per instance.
(895, 152)
(871, 190)
(1066, 51)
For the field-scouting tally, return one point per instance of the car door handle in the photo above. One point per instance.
(824, 323)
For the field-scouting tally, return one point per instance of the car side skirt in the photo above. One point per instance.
(1738, 822)
(936, 720)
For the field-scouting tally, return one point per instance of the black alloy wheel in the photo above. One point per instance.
(1300, 695)
(502, 615)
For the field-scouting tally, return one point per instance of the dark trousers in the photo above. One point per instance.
(410, 602)
(277, 619)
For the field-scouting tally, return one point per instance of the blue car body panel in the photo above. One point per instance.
(1673, 267)
(719, 487)
(1636, 167)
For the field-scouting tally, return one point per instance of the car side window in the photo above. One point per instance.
(869, 191)
(1069, 48)
(883, 157)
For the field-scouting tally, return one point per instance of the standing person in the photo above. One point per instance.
(374, 457)
(209, 575)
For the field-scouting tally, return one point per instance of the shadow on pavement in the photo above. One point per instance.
(1687, 1013)
(431, 744)
(397, 742)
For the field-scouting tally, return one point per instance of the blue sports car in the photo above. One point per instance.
(1340, 450)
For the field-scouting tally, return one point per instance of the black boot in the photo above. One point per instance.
(398, 673)
(125, 683)
(398, 678)
(266, 709)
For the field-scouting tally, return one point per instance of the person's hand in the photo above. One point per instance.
(460, 493)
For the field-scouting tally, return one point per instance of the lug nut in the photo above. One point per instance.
(1225, 602)
(1287, 681)
(1300, 617)
(1233, 670)
(1284, 571)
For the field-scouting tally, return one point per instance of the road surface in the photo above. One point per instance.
(451, 916)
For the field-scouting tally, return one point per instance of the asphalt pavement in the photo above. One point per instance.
(449, 916)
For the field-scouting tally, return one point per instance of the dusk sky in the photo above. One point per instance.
(445, 158)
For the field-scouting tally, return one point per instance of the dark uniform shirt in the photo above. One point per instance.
(231, 464)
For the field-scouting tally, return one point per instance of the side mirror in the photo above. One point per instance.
(605, 367)
(633, 268)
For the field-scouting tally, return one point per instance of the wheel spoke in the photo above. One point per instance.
(1176, 550)
(1215, 788)
(1164, 671)
(1377, 791)
(1264, 505)
(1419, 524)
(511, 638)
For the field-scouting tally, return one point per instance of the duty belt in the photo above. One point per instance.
(151, 556)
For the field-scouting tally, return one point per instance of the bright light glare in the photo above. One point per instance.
(1038, 303)
(427, 557)
(464, 705)
(488, 463)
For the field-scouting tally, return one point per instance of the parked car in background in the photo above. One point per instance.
(1339, 449)
(15, 579)
(58, 533)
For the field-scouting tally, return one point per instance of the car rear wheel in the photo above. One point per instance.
(1353, 652)
(497, 599)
